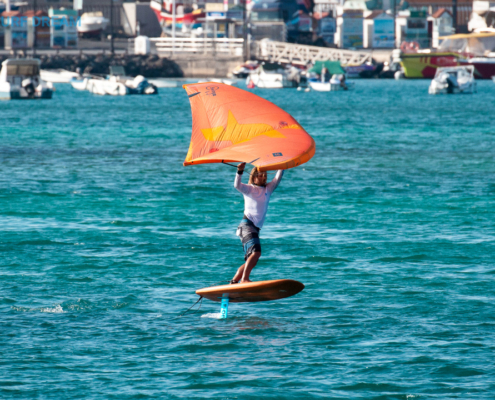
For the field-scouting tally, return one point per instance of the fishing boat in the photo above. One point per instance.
(453, 80)
(20, 79)
(477, 49)
(328, 76)
(272, 76)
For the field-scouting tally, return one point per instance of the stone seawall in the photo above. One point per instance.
(150, 66)
(195, 66)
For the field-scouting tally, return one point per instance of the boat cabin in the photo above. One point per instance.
(20, 79)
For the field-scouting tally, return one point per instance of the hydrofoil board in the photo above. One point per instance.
(252, 291)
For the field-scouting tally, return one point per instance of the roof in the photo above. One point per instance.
(321, 15)
(21, 61)
(440, 11)
(376, 13)
(333, 67)
(468, 35)
(32, 13)
(10, 13)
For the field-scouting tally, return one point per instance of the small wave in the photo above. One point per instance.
(42, 243)
(416, 257)
(76, 306)
(326, 259)
(57, 309)
(211, 315)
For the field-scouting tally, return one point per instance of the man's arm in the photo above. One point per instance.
(275, 181)
(241, 187)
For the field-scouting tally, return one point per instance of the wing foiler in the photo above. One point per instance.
(233, 125)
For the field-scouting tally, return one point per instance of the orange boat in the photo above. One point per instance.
(455, 50)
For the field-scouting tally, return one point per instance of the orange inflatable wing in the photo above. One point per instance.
(233, 125)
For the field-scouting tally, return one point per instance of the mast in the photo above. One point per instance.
(395, 28)
(454, 14)
(173, 25)
(111, 27)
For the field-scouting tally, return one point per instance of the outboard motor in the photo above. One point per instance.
(28, 85)
(451, 84)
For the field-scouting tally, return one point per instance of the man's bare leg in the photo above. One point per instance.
(238, 275)
(250, 264)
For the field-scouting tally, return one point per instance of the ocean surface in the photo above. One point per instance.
(105, 236)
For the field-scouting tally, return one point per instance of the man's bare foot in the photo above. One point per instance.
(245, 281)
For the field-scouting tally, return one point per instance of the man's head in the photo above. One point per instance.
(257, 178)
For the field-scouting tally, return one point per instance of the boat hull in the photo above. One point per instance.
(483, 68)
(424, 65)
(329, 87)
(19, 94)
(271, 81)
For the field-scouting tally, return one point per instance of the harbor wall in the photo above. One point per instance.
(150, 66)
(207, 66)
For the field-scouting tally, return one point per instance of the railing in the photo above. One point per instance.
(301, 54)
(223, 46)
(265, 50)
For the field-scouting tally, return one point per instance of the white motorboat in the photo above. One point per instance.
(20, 79)
(92, 23)
(115, 85)
(270, 76)
(334, 84)
(493, 79)
(57, 75)
(453, 80)
(328, 76)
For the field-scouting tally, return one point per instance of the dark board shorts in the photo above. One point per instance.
(249, 235)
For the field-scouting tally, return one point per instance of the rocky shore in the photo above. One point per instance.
(150, 66)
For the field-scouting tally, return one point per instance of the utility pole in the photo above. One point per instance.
(35, 6)
(111, 27)
(454, 14)
(395, 25)
(173, 26)
(244, 31)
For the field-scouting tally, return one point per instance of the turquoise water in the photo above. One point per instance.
(105, 236)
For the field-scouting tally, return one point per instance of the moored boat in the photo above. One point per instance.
(57, 75)
(115, 85)
(453, 80)
(272, 76)
(455, 50)
(328, 76)
(20, 79)
(92, 24)
(484, 67)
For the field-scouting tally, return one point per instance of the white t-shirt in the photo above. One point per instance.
(256, 198)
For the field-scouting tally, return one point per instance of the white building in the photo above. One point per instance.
(442, 25)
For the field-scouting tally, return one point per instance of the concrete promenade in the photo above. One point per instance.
(192, 65)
